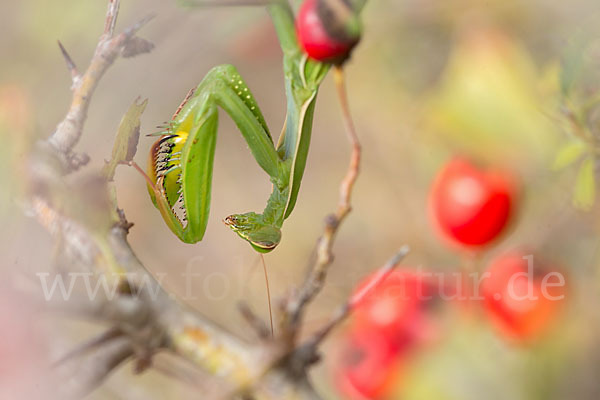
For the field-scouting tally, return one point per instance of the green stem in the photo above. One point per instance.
(283, 19)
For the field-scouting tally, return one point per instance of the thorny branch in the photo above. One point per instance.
(69, 130)
(142, 320)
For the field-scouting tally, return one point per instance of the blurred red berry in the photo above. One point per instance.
(470, 206)
(368, 364)
(398, 306)
(522, 300)
(324, 33)
(390, 321)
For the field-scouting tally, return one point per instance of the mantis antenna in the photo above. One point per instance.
(262, 257)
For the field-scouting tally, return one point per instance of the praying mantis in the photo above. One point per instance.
(181, 160)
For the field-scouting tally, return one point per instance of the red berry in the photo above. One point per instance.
(521, 300)
(397, 307)
(470, 206)
(322, 33)
(367, 365)
(390, 321)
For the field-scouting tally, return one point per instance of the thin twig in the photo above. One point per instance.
(353, 169)
(111, 17)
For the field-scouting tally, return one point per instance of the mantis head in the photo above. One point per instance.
(252, 228)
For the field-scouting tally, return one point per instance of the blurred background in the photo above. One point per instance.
(506, 83)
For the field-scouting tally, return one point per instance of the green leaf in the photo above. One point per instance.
(127, 139)
(585, 185)
(568, 154)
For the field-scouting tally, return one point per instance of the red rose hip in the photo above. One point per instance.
(327, 33)
(470, 206)
(390, 321)
(368, 364)
(522, 300)
(398, 307)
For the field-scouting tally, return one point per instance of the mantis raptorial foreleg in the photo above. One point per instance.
(181, 161)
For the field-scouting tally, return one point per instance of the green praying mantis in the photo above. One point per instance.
(181, 160)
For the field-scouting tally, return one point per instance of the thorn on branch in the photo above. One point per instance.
(132, 30)
(83, 378)
(88, 346)
(259, 326)
(123, 223)
(75, 76)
